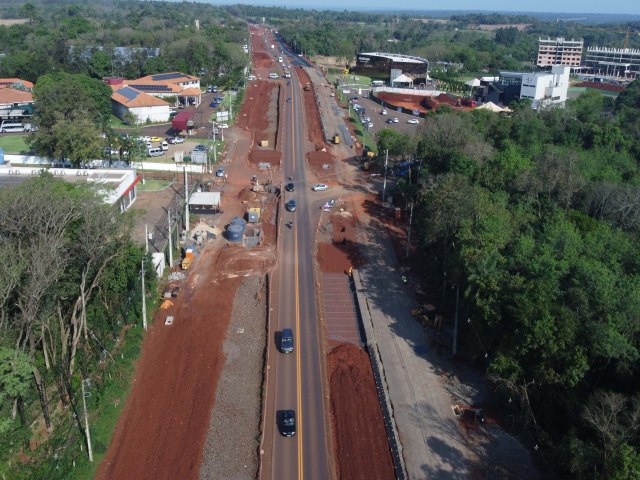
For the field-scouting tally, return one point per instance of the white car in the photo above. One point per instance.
(384, 111)
(223, 125)
(332, 94)
(319, 187)
(413, 121)
(370, 125)
(395, 120)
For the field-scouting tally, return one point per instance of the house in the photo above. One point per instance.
(16, 83)
(185, 87)
(15, 104)
(144, 107)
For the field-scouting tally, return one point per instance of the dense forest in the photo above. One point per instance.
(533, 220)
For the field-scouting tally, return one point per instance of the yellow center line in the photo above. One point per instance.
(298, 366)
(297, 350)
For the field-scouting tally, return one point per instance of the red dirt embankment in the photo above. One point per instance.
(362, 450)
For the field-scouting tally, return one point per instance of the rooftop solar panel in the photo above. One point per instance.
(152, 88)
(128, 93)
(166, 76)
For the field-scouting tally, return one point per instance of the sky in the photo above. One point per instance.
(559, 6)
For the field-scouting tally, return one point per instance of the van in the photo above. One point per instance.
(155, 152)
(286, 341)
(164, 145)
(13, 127)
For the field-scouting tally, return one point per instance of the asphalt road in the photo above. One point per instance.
(299, 376)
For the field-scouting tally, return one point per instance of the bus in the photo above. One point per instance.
(13, 127)
(377, 83)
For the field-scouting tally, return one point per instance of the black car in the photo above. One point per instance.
(289, 100)
(286, 341)
(291, 205)
(289, 187)
(200, 148)
(287, 423)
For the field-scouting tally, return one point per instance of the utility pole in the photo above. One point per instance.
(144, 300)
(86, 421)
(455, 324)
(170, 243)
(409, 231)
(146, 239)
(384, 184)
(186, 200)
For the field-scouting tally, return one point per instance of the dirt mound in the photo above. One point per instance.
(314, 124)
(413, 102)
(362, 450)
(262, 60)
(343, 252)
(272, 157)
(317, 162)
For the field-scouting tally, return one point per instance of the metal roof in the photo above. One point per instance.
(396, 57)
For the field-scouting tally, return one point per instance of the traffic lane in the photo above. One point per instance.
(315, 434)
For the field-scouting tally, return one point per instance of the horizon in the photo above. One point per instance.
(550, 7)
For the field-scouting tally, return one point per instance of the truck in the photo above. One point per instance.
(187, 260)
(280, 59)
(307, 86)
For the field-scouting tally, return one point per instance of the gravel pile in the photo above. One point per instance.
(231, 449)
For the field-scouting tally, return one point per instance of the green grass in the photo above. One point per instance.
(15, 144)
(153, 185)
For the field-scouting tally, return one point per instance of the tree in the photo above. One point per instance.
(100, 64)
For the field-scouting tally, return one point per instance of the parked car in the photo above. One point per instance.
(175, 140)
(220, 172)
(413, 121)
(200, 148)
(319, 187)
(383, 112)
(395, 120)
(389, 120)
(155, 139)
(209, 89)
(164, 145)
(287, 423)
(289, 187)
(214, 104)
(223, 125)
(291, 205)
(370, 125)
(332, 94)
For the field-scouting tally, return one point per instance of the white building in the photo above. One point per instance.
(545, 89)
(145, 108)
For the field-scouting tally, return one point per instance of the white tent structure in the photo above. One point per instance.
(492, 107)
(474, 82)
(401, 79)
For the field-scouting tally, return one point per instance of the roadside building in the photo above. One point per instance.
(15, 104)
(558, 51)
(118, 186)
(542, 88)
(402, 69)
(143, 107)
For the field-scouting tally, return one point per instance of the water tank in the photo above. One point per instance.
(238, 221)
(235, 232)
(1, 156)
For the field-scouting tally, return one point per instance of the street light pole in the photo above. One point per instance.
(186, 200)
(455, 324)
(384, 184)
(144, 300)
(170, 243)
(409, 230)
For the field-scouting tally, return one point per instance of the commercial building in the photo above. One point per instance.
(542, 88)
(558, 51)
(400, 69)
(145, 108)
(613, 62)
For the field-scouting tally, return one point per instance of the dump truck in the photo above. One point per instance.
(188, 259)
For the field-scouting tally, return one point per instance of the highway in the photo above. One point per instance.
(299, 376)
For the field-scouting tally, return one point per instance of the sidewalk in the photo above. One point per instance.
(431, 443)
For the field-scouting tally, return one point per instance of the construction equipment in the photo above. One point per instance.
(336, 139)
(189, 256)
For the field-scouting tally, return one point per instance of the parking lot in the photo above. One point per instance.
(373, 110)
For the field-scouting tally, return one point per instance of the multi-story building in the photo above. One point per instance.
(613, 62)
(544, 89)
(558, 51)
